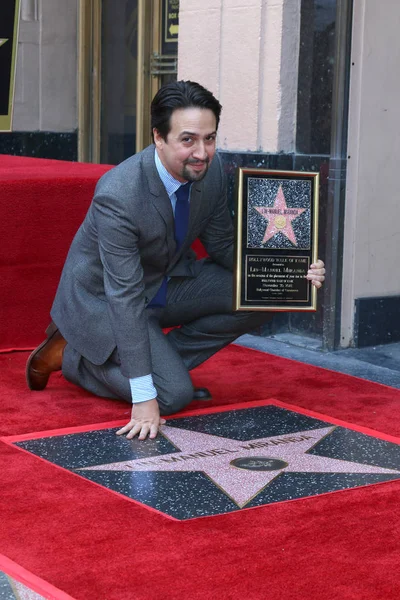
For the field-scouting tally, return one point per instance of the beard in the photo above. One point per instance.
(190, 175)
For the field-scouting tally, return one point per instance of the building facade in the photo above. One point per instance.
(305, 85)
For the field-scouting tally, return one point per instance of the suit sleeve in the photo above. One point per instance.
(217, 235)
(123, 284)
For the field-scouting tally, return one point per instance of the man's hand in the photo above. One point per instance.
(316, 273)
(145, 421)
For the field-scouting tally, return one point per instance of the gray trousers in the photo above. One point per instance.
(202, 307)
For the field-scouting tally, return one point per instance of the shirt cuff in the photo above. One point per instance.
(142, 389)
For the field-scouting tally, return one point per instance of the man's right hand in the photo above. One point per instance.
(145, 421)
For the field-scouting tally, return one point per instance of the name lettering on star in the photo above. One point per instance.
(242, 469)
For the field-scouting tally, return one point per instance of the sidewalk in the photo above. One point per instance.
(375, 363)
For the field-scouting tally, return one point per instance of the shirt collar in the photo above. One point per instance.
(170, 183)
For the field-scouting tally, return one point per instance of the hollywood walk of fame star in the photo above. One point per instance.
(279, 218)
(220, 459)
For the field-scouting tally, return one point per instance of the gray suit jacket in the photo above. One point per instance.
(122, 251)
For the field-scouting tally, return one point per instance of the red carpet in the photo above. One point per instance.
(71, 539)
(90, 543)
(42, 204)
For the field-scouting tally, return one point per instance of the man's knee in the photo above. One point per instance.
(239, 323)
(176, 398)
(250, 320)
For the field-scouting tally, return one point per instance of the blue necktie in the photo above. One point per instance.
(182, 209)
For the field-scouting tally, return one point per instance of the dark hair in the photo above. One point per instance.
(180, 94)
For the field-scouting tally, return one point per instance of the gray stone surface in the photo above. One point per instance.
(376, 363)
(46, 80)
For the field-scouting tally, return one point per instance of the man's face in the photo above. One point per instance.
(190, 145)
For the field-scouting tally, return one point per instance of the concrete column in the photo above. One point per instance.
(246, 52)
(58, 69)
(199, 47)
(26, 116)
(239, 74)
(372, 223)
(29, 10)
(46, 75)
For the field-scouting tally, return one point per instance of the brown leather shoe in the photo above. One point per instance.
(45, 359)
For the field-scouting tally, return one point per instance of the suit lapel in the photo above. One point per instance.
(159, 198)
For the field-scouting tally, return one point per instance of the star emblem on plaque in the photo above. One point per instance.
(276, 239)
(279, 218)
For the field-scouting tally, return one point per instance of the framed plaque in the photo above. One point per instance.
(276, 240)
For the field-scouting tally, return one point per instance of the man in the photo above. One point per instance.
(130, 271)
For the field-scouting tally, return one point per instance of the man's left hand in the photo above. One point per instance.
(316, 273)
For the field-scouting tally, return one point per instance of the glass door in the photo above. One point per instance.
(119, 66)
(158, 57)
(128, 49)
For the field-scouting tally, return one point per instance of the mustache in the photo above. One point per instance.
(191, 161)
